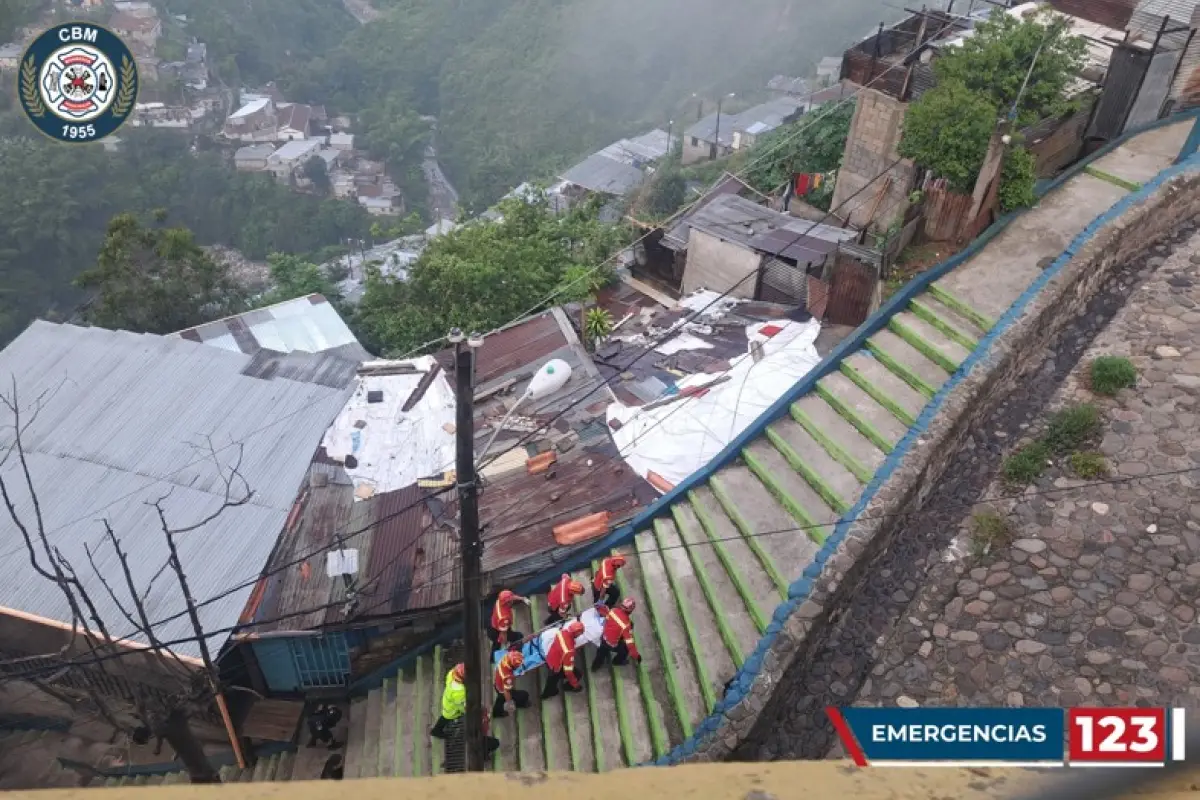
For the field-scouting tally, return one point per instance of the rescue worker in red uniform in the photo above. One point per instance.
(604, 582)
(560, 659)
(500, 629)
(618, 636)
(560, 597)
(503, 679)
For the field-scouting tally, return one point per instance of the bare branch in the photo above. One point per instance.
(142, 623)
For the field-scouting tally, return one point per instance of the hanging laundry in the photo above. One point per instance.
(817, 180)
(802, 181)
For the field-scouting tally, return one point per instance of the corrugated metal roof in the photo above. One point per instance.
(123, 421)
(736, 219)
(769, 116)
(599, 173)
(309, 324)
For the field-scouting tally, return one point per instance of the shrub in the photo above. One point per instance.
(1089, 465)
(989, 531)
(1071, 428)
(1027, 464)
(1111, 374)
(1018, 175)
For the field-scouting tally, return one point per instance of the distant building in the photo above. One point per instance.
(263, 119)
(721, 136)
(378, 199)
(161, 115)
(341, 141)
(284, 162)
(253, 157)
(614, 171)
(829, 69)
(136, 29)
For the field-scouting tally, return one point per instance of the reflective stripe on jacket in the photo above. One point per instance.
(454, 698)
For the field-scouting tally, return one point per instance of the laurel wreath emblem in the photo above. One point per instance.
(128, 90)
(29, 89)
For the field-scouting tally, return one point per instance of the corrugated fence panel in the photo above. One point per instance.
(1124, 74)
(1154, 89)
(783, 283)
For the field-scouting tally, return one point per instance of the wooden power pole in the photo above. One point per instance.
(471, 546)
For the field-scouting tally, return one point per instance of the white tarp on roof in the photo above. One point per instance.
(676, 439)
(394, 449)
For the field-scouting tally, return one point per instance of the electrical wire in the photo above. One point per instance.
(709, 540)
(340, 538)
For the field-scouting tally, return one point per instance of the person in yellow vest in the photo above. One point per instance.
(454, 700)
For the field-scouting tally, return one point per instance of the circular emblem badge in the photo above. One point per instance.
(78, 82)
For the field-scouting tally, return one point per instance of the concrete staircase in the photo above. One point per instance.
(707, 577)
(279, 767)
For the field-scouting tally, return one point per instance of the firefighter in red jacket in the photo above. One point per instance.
(500, 629)
(604, 582)
(618, 636)
(560, 597)
(560, 659)
(503, 679)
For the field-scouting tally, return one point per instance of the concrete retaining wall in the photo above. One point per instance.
(903, 484)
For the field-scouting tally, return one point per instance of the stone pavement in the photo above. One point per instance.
(1094, 603)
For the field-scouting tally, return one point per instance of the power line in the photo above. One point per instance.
(708, 540)
(339, 538)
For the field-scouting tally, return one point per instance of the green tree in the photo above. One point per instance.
(994, 61)
(482, 275)
(156, 280)
(947, 131)
(667, 191)
(295, 277)
(315, 170)
(813, 143)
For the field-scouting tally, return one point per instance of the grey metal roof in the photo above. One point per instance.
(769, 116)
(309, 324)
(736, 219)
(125, 418)
(599, 173)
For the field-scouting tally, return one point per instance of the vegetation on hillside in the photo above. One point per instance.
(55, 215)
(948, 128)
(523, 87)
(482, 275)
(814, 143)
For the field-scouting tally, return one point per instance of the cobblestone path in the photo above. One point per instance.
(1095, 600)
(1041, 624)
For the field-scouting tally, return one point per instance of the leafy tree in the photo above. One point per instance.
(947, 131)
(295, 277)
(813, 143)
(156, 280)
(667, 191)
(315, 170)
(482, 275)
(994, 61)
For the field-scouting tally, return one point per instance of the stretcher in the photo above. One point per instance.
(534, 647)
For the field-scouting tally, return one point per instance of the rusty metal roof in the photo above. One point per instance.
(408, 552)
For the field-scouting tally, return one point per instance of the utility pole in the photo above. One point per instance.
(471, 547)
(716, 146)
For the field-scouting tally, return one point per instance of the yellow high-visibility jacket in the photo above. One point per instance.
(454, 698)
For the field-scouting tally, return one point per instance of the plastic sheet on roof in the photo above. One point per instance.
(393, 448)
(676, 439)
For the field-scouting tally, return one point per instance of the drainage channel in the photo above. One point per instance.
(797, 727)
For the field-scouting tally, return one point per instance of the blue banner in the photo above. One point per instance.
(1024, 735)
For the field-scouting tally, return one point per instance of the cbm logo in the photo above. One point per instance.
(78, 82)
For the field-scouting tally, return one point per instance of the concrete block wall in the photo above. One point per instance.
(995, 370)
(715, 264)
(870, 148)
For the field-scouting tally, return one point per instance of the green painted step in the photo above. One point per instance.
(859, 409)
(947, 298)
(740, 563)
(1115, 180)
(909, 363)
(839, 438)
(836, 487)
(932, 343)
(678, 666)
(885, 387)
(724, 497)
(768, 524)
(933, 314)
(811, 514)
(385, 767)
